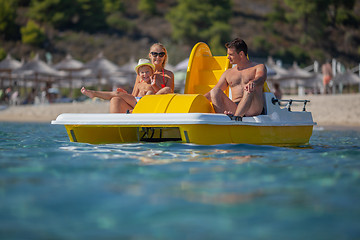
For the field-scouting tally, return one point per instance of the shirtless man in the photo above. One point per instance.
(246, 81)
(327, 76)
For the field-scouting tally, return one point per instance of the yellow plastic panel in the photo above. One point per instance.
(174, 103)
(101, 134)
(153, 103)
(190, 103)
(271, 135)
(205, 134)
(204, 70)
(222, 134)
(266, 88)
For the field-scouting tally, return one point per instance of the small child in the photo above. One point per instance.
(145, 70)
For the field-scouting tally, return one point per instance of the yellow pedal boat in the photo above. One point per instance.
(190, 117)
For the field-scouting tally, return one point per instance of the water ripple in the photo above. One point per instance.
(175, 191)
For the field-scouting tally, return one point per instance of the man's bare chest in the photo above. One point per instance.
(239, 78)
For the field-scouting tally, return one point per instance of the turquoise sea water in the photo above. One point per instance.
(51, 188)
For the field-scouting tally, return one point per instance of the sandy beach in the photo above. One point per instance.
(340, 110)
(328, 110)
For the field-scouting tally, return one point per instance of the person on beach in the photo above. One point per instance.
(277, 90)
(246, 82)
(125, 101)
(327, 76)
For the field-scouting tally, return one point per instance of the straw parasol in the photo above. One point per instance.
(280, 72)
(8, 65)
(182, 66)
(347, 78)
(69, 64)
(37, 69)
(294, 77)
(73, 68)
(101, 67)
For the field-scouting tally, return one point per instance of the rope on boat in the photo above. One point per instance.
(289, 103)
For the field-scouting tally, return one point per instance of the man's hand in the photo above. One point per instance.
(207, 95)
(250, 87)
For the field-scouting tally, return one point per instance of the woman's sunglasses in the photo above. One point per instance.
(155, 54)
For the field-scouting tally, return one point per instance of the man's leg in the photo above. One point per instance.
(221, 102)
(244, 104)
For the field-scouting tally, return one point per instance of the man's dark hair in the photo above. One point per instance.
(238, 44)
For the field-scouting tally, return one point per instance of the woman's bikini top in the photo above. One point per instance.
(163, 84)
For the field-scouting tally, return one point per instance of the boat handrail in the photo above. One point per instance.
(289, 102)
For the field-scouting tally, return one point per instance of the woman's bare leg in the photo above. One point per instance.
(122, 103)
(119, 105)
(99, 94)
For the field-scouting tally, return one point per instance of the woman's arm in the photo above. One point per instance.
(169, 86)
(170, 83)
(137, 81)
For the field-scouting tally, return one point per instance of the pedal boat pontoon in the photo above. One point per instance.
(190, 117)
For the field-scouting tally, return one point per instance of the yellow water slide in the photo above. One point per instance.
(204, 70)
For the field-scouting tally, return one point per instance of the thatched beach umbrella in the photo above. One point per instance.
(182, 66)
(279, 75)
(69, 64)
(297, 72)
(280, 72)
(101, 68)
(347, 78)
(126, 74)
(73, 68)
(301, 77)
(8, 65)
(37, 69)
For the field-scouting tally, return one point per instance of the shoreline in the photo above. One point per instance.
(47, 112)
(329, 111)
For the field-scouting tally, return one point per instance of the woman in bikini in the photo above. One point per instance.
(162, 82)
